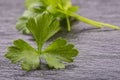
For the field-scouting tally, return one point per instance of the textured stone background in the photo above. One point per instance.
(99, 57)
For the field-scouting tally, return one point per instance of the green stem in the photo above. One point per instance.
(111, 26)
(68, 22)
(94, 23)
(39, 49)
(88, 21)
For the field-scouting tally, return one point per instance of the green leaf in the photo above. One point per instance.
(58, 52)
(24, 53)
(32, 3)
(50, 2)
(73, 9)
(21, 24)
(65, 4)
(42, 27)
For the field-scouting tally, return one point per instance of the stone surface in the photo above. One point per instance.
(99, 57)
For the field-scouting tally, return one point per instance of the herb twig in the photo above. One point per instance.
(42, 18)
(42, 28)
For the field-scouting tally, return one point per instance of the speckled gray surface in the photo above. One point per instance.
(99, 57)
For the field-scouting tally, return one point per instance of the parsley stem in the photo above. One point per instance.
(94, 23)
(88, 21)
(68, 23)
(39, 49)
(83, 19)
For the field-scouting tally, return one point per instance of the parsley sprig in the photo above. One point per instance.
(43, 19)
(42, 28)
(63, 10)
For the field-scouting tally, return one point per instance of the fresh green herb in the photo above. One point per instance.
(42, 28)
(60, 9)
(43, 19)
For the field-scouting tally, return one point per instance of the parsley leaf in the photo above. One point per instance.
(21, 24)
(42, 27)
(24, 53)
(32, 3)
(58, 52)
(50, 2)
